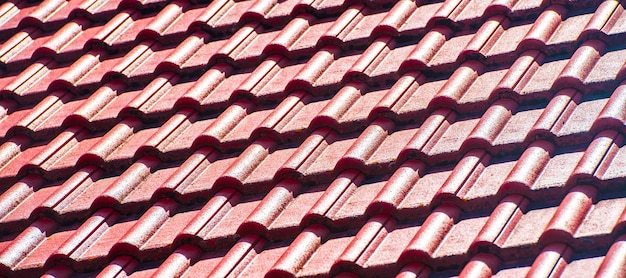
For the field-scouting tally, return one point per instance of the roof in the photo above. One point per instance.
(312, 138)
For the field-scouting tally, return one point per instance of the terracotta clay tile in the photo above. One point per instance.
(333, 198)
(199, 227)
(13, 10)
(466, 172)
(472, 13)
(89, 110)
(247, 162)
(57, 149)
(398, 186)
(274, 124)
(190, 170)
(78, 73)
(126, 182)
(28, 82)
(604, 18)
(583, 266)
(67, 40)
(262, 217)
(576, 129)
(222, 16)
(580, 65)
(599, 153)
(114, 28)
(500, 224)
(239, 256)
(490, 125)
(17, 196)
(110, 142)
(427, 47)
(96, 9)
(313, 70)
(538, 37)
(365, 242)
(297, 166)
(244, 47)
(122, 265)
(417, 99)
(613, 263)
(416, 270)
(610, 67)
(259, 10)
(145, 227)
(528, 168)
(552, 260)
(385, 157)
(357, 156)
(613, 116)
(447, 13)
(370, 59)
(458, 240)
(341, 102)
(504, 7)
(287, 40)
(14, 154)
(457, 85)
(17, 50)
(416, 23)
(43, 12)
(431, 130)
(58, 271)
(22, 246)
(215, 134)
(261, 77)
(353, 212)
(166, 134)
(524, 237)
(542, 80)
(431, 234)
(399, 95)
(34, 123)
(618, 27)
(481, 265)
(555, 115)
(140, 64)
(205, 86)
(264, 175)
(165, 19)
(519, 74)
(448, 146)
(485, 38)
(395, 18)
(299, 251)
(321, 261)
(601, 221)
(512, 136)
(358, 32)
(179, 261)
(570, 215)
(71, 251)
(67, 192)
(184, 51)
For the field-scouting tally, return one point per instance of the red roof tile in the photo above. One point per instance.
(312, 138)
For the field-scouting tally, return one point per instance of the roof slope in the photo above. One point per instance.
(312, 138)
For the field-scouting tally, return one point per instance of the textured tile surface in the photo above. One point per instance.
(304, 138)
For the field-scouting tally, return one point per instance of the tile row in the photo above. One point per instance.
(315, 130)
(246, 46)
(515, 229)
(530, 78)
